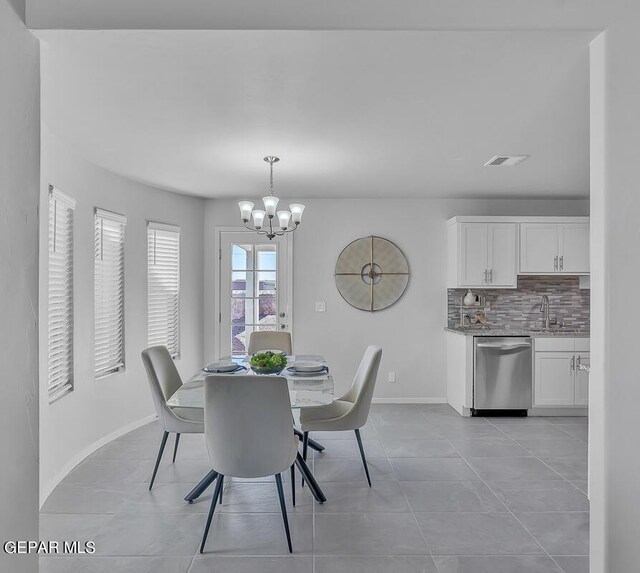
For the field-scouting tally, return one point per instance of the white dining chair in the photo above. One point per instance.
(270, 340)
(165, 381)
(349, 412)
(249, 433)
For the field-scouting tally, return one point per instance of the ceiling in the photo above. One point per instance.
(351, 114)
(325, 15)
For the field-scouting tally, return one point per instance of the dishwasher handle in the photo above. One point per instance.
(501, 346)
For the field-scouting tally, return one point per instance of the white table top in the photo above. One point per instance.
(305, 391)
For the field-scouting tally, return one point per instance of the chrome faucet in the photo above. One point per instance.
(544, 309)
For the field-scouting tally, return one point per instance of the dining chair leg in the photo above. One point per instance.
(305, 449)
(175, 448)
(364, 459)
(283, 507)
(163, 443)
(201, 486)
(293, 484)
(214, 501)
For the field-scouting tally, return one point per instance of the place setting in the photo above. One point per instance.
(307, 369)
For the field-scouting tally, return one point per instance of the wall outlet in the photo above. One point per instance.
(392, 377)
(321, 306)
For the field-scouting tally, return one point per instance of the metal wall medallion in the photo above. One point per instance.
(371, 273)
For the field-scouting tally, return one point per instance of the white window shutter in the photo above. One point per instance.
(163, 287)
(60, 323)
(109, 293)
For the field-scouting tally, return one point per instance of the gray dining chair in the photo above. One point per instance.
(165, 381)
(349, 412)
(249, 433)
(270, 340)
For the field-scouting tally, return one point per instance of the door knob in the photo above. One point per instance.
(282, 315)
(283, 326)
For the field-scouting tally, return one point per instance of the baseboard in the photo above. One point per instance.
(559, 411)
(409, 400)
(49, 487)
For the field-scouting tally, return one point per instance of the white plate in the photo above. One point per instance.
(307, 366)
(310, 376)
(222, 366)
(280, 352)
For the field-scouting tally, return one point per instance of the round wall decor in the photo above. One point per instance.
(371, 273)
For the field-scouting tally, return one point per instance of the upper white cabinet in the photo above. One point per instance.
(483, 255)
(538, 247)
(502, 254)
(490, 252)
(550, 248)
(573, 247)
(473, 254)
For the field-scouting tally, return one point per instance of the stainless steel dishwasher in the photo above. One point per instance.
(502, 375)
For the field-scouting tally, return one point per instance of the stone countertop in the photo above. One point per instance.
(533, 333)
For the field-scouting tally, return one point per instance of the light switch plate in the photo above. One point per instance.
(321, 306)
(392, 377)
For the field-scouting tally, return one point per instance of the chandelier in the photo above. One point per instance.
(287, 221)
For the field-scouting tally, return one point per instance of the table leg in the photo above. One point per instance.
(311, 481)
(203, 484)
(312, 443)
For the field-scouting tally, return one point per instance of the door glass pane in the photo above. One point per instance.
(266, 257)
(242, 311)
(242, 257)
(241, 284)
(266, 283)
(267, 310)
(240, 338)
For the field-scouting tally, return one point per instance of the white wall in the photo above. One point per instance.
(410, 332)
(19, 183)
(71, 427)
(615, 391)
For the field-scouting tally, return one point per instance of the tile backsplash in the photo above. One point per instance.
(520, 308)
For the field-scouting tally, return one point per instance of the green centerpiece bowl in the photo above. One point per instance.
(268, 362)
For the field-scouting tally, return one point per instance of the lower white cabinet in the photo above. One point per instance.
(557, 378)
(554, 383)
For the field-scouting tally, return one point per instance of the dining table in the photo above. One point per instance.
(306, 390)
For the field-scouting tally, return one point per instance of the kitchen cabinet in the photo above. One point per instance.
(554, 248)
(557, 379)
(473, 254)
(573, 248)
(554, 383)
(538, 247)
(483, 255)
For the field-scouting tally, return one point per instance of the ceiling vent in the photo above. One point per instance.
(505, 160)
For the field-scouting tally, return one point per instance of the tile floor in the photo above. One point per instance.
(449, 495)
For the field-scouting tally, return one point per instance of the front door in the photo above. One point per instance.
(254, 288)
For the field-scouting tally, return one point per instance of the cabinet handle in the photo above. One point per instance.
(555, 263)
(485, 276)
(561, 262)
(573, 363)
(491, 276)
(578, 362)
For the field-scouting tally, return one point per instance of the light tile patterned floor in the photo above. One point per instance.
(449, 495)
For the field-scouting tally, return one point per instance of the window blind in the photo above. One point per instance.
(109, 293)
(163, 278)
(61, 208)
